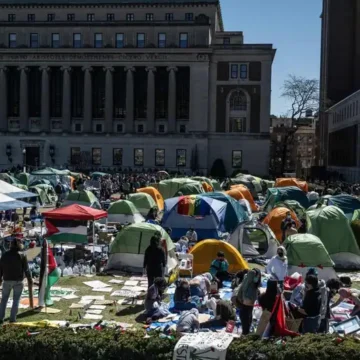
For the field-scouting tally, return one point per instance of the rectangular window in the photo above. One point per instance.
(169, 17)
(98, 128)
(180, 157)
(237, 159)
(140, 40)
(78, 127)
(11, 17)
(75, 155)
(50, 17)
(130, 17)
(149, 17)
(238, 124)
(77, 41)
(139, 157)
(161, 128)
(71, 17)
(182, 129)
(159, 157)
(119, 128)
(117, 156)
(234, 71)
(183, 41)
(90, 17)
(55, 40)
(110, 17)
(140, 128)
(96, 156)
(119, 41)
(162, 40)
(98, 40)
(34, 40)
(189, 16)
(31, 17)
(226, 41)
(12, 40)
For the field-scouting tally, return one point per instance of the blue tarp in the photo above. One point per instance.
(235, 213)
(207, 227)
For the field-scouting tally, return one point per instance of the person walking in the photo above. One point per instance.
(154, 260)
(277, 267)
(13, 269)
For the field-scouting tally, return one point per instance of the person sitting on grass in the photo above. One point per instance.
(223, 311)
(154, 308)
(349, 294)
(188, 322)
(200, 285)
(219, 269)
(182, 297)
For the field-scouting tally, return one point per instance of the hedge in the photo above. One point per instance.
(65, 344)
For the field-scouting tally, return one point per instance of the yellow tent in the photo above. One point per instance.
(206, 251)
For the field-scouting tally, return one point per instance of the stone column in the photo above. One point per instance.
(150, 99)
(129, 121)
(87, 99)
(172, 99)
(45, 100)
(24, 107)
(66, 99)
(3, 99)
(109, 99)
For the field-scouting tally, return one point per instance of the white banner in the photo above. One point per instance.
(203, 346)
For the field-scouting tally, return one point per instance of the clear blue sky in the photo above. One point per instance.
(292, 26)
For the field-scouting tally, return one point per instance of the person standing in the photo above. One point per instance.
(277, 267)
(154, 260)
(13, 269)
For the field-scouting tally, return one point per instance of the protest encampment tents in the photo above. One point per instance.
(124, 212)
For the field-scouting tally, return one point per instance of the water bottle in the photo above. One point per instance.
(87, 270)
(75, 270)
(66, 272)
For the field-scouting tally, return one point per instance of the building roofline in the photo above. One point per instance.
(343, 100)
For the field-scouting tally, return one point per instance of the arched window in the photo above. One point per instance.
(238, 101)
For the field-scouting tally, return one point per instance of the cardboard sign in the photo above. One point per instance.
(203, 346)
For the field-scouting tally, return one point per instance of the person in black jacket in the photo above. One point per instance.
(13, 269)
(154, 260)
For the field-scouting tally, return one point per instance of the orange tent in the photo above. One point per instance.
(207, 187)
(247, 195)
(283, 182)
(235, 194)
(275, 218)
(154, 193)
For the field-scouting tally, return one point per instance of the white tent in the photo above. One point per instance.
(253, 239)
(8, 203)
(14, 192)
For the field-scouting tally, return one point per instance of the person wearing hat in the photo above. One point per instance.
(14, 268)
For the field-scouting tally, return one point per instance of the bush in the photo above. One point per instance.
(56, 344)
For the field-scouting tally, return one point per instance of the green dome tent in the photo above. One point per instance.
(190, 189)
(128, 248)
(306, 251)
(43, 199)
(24, 178)
(294, 206)
(143, 202)
(124, 212)
(216, 185)
(85, 198)
(331, 225)
(168, 188)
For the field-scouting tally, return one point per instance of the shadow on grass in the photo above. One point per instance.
(131, 310)
(26, 314)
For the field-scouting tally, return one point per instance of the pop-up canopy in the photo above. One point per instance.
(8, 203)
(75, 212)
(14, 192)
(69, 224)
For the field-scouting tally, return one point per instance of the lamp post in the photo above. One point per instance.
(24, 160)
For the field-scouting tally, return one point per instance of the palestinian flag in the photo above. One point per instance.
(66, 231)
(49, 275)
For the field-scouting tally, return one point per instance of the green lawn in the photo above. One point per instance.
(127, 314)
